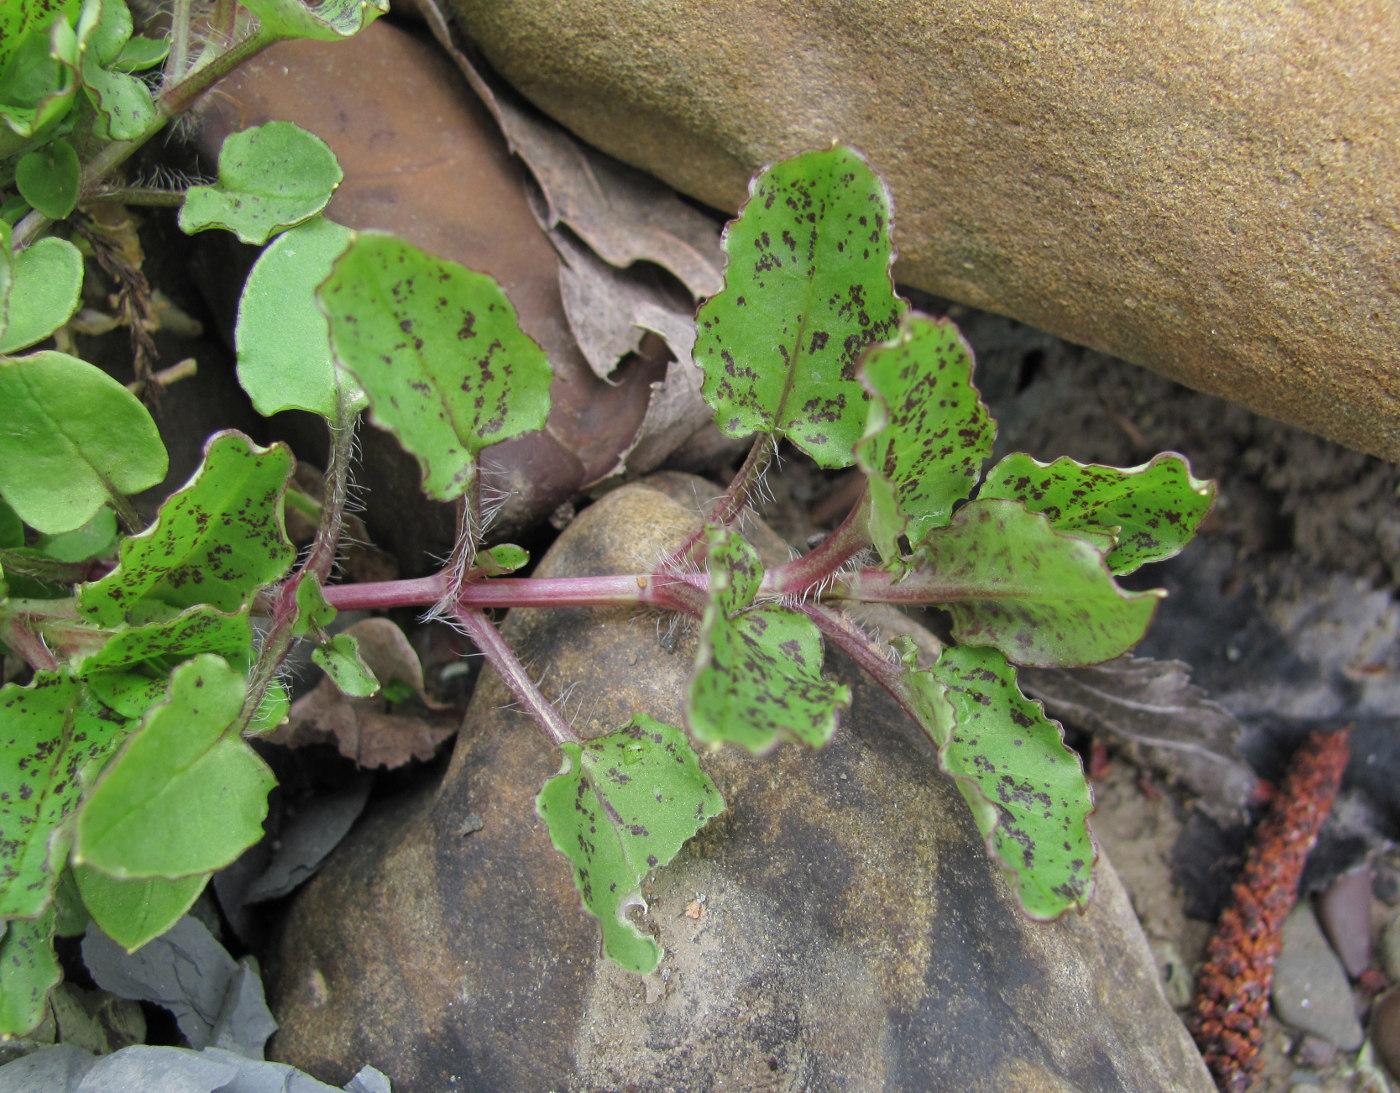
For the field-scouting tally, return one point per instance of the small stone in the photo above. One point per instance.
(1312, 1051)
(1310, 989)
(1344, 912)
(1390, 947)
(1385, 1032)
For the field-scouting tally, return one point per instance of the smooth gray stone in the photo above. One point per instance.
(854, 934)
(1310, 989)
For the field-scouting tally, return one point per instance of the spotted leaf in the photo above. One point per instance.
(439, 353)
(217, 540)
(1136, 514)
(758, 673)
(807, 287)
(927, 432)
(623, 805)
(1027, 791)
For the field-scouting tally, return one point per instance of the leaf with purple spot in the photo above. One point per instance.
(807, 287)
(438, 351)
(1026, 790)
(623, 805)
(1135, 515)
(758, 674)
(927, 432)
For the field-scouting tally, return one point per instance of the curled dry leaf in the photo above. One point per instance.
(606, 219)
(364, 729)
(1151, 708)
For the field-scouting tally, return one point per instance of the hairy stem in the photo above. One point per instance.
(807, 572)
(733, 501)
(848, 636)
(513, 674)
(17, 634)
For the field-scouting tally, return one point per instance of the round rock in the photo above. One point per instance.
(840, 927)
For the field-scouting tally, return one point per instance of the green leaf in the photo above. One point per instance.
(159, 646)
(283, 339)
(806, 289)
(11, 527)
(326, 21)
(123, 101)
(502, 559)
(133, 912)
(21, 18)
(622, 805)
(141, 53)
(48, 277)
(71, 918)
(272, 710)
(439, 352)
(70, 437)
(51, 740)
(217, 540)
(927, 432)
(313, 612)
(1011, 581)
(1027, 791)
(31, 971)
(1138, 514)
(340, 659)
(38, 83)
(271, 178)
(7, 275)
(51, 179)
(185, 795)
(758, 672)
(93, 540)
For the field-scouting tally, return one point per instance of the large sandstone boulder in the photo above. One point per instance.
(1212, 191)
(839, 928)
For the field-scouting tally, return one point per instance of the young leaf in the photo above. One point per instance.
(217, 540)
(927, 432)
(133, 912)
(94, 539)
(284, 343)
(272, 710)
(323, 20)
(47, 278)
(340, 659)
(758, 673)
(131, 671)
(313, 612)
(123, 101)
(70, 437)
(50, 739)
(141, 53)
(1011, 581)
(622, 805)
(38, 81)
(502, 559)
(439, 352)
(271, 178)
(50, 179)
(807, 287)
(31, 971)
(1027, 791)
(1144, 514)
(185, 795)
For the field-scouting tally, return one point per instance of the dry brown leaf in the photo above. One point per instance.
(364, 729)
(1151, 708)
(612, 225)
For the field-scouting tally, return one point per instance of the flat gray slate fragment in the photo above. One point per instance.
(368, 1080)
(156, 1070)
(185, 970)
(307, 838)
(52, 1070)
(245, 1022)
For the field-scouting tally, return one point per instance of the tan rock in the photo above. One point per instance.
(1212, 191)
(840, 927)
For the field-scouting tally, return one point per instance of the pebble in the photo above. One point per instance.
(1310, 989)
(1385, 1031)
(1344, 912)
(1390, 948)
